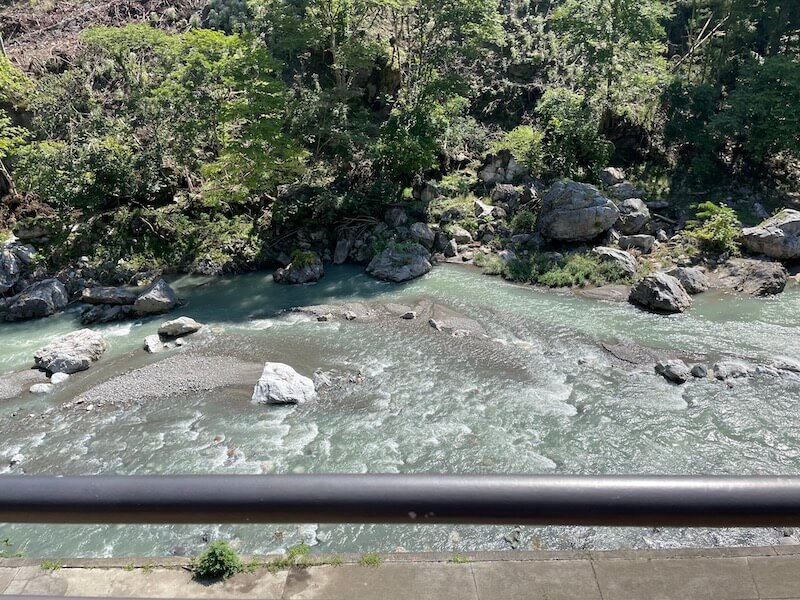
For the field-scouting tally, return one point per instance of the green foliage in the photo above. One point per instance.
(408, 145)
(143, 113)
(527, 146)
(572, 270)
(760, 115)
(219, 560)
(717, 228)
(15, 86)
(51, 565)
(615, 51)
(573, 146)
(302, 258)
(524, 222)
(491, 264)
(458, 183)
(460, 559)
(370, 560)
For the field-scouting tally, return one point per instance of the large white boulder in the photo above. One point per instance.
(72, 352)
(777, 237)
(573, 212)
(660, 293)
(281, 384)
(179, 327)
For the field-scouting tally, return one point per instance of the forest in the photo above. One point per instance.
(200, 136)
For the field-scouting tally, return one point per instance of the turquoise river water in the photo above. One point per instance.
(538, 394)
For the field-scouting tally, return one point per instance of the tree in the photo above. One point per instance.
(614, 51)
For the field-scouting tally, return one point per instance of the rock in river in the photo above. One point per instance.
(179, 327)
(755, 277)
(42, 299)
(777, 237)
(72, 352)
(675, 371)
(661, 293)
(158, 298)
(573, 211)
(303, 269)
(400, 263)
(281, 384)
(692, 279)
(109, 295)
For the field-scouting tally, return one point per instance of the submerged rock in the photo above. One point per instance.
(729, 369)
(620, 257)
(281, 384)
(700, 371)
(691, 278)
(179, 327)
(777, 237)
(42, 388)
(107, 313)
(573, 211)
(158, 298)
(42, 299)
(675, 371)
(72, 352)
(400, 263)
(660, 292)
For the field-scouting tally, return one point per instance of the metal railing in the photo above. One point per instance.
(474, 499)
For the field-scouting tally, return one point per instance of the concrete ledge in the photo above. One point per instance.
(766, 573)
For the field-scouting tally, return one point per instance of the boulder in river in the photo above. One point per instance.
(107, 313)
(41, 388)
(622, 258)
(777, 237)
(179, 327)
(41, 299)
(675, 371)
(692, 279)
(633, 216)
(158, 298)
(731, 369)
(153, 344)
(281, 384)
(72, 352)
(573, 211)
(109, 295)
(661, 293)
(400, 263)
(754, 277)
(306, 267)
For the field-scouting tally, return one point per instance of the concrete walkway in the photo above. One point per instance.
(722, 573)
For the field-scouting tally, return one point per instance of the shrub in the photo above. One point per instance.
(717, 229)
(581, 270)
(526, 144)
(491, 264)
(524, 222)
(302, 258)
(219, 560)
(573, 146)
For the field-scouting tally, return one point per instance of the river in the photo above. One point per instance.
(537, 394)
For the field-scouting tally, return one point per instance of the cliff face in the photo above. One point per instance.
(42, 35)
